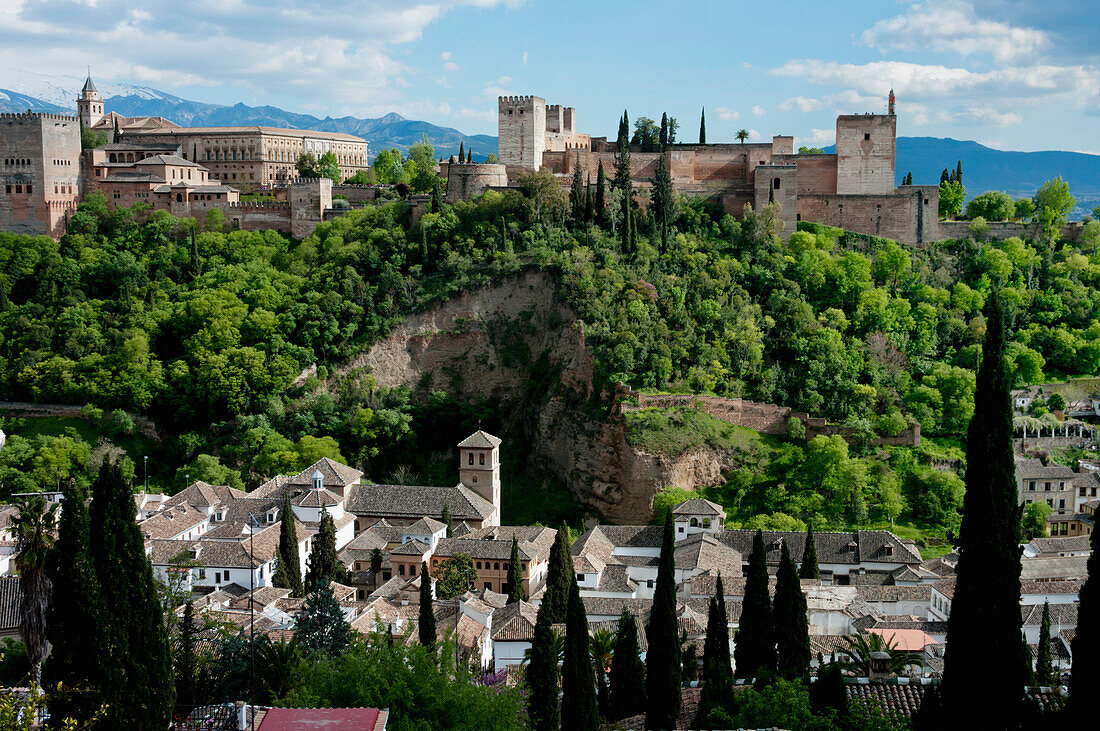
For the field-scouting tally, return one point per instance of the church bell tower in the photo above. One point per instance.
(89, 104)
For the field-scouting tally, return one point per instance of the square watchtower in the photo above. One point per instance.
(521, 131)
(479, 465)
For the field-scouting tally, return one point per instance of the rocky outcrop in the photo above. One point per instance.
(487, 344)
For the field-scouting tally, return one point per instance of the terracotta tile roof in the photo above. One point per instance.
(424, 526)
(1064, 586)
(689, 706)
(172, 521)
(316, 499)
(1060, 614)
(480, 440)
(1061, 543)
(698, 506)
(333, 474)
(614, 579)
(515, 622)
(946, 587)
(414, 501)
(332, 719)
(412, 548)
(889, 593)
(704, 552)
(892, 697)
(204, 495)
(832, 548)
(11, 600)
(1044, 567)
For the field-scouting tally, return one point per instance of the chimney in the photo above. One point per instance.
(880, 665)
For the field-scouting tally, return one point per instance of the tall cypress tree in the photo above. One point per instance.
(662, 138)
(589, 206)
(558, 574)
(542, 674)
(437, 196)
(515, 575)
(447, 519)
(703, 127)
(1044, 662)
(754, 648)
(427, 613)
(959, 172)
(622, 178)
(288, 567)
(717, 693)
(1085, 672)
(578, 687)
(627, 670)
(576, 192)
(461, 151)
(791, 622)
(982, 663)
(601, 194)
(73, 623)
(809, 568)
(324, 564)
(135, 666)
(185, 662)
(663, 658)
(664, 200)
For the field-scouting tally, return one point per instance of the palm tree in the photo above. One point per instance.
(33, 530)
(601, 644)
(742, 135)
(278, 661)
(859, 649)
(376, 564)
(559, 648)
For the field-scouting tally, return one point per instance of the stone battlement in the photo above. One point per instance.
(515, 99)
(259, 205)
(29, 115)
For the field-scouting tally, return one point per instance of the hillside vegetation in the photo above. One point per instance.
(206, 331)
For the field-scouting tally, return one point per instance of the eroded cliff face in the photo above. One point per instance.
(516, 345)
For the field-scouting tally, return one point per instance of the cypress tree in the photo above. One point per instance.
(703, 127)
(515, 576)
(427, 615)
(288, 570)
(324, 564)
(601, 194)
(1085, 672)
(664, 200)
(662, 139)
(663, 658)
(558, 576)
(447, 519)
(945, 177)
(185, 661)
(929, 717)
(437, 197)
(754, 648)
(1044, 663)
(461, 151)
(588, 205)
(470, 155)
(576, 192)
(959, 172)
(542, 674)
(135, 666)
(622, 178)
(809, 568)
(627, 679)
(982, 666)
(73, 621)
(578, 703)
(827, 693)
(792, 627)
(717, 690)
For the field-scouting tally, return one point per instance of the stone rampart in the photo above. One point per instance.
(143, 425)
(1001, 230)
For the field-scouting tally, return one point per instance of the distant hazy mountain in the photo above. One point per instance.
(1017, 173)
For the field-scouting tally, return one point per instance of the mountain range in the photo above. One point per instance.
(984, 168)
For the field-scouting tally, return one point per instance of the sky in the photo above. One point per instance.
(1011, 74)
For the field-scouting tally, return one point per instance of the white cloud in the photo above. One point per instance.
(450, 66)
(953, 25)
(982, 117)
(758, 111)
(754, 134)
(728, 115)
(498, 87)
(817, 138)
(746, 65)
(341, 51)
(480, 114)
(524, 61)
(801, 104)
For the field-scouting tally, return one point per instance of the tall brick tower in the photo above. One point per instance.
(479, 466)
(865, 153)
(89, 104)
(521, 131)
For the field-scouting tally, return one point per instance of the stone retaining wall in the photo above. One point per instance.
(142, 424)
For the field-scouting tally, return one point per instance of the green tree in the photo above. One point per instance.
(754, 647)
(455, 576)
(1034, 521)
(576, 192)
(1085, 671)
(703, 127)
(602, 646)
(1044, 662)
(1053, 204)
(1025, 209)
(627, 679)
(307, 166)
(321, 628)
(578, 703)
(790, 620)
(663, 656)
(185, 661)
(448, 520)
(742, 135)
(858, 649)
(33, 530)
(664, 200)
(992, 206)
(1056, 402)
(601, 195)
(717, 690)
(809, 568)
(73, 621)
(324, 564)
(952, 195)
(135, 665)
(516, 588)
(558, 573)
(288, 572)
(542, 674)
(426, 624)
(544, 197)
(983, 632)
(329, 166)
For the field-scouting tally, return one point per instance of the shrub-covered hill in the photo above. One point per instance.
(207, 330)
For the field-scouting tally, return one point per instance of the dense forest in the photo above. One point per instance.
(205, 330)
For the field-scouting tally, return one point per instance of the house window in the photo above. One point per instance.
(401, 569)
(505, 565)
(479, 564)
(496, 565)
(200, 574)
(481, 459)
(489, 585)
(471, 458)
(706, 522)
(866, 135)
(649, 584)
(580, 578)
(681, 529)
(694, 522)
(412, 570)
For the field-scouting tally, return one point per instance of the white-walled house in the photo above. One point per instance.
(512, 633)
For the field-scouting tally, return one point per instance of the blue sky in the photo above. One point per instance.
(1008, 73)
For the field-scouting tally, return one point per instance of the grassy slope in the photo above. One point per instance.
(677, 430)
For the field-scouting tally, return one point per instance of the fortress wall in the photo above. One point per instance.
(41, 151)
(357, 194)
(902, 216)
(469, 180)
(1001, 230)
